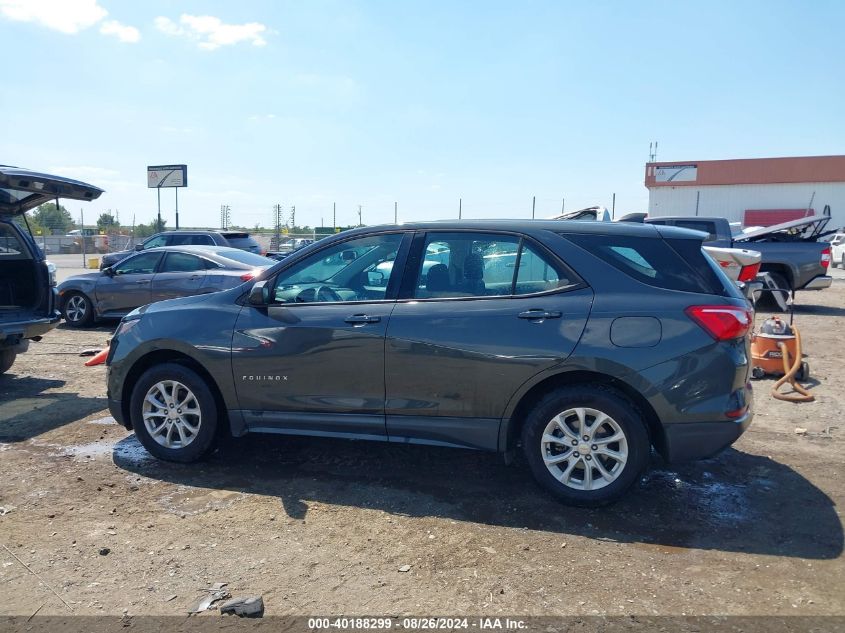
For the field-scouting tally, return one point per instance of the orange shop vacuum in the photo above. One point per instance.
(776, 351)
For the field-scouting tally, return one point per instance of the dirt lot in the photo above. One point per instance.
(323, 527)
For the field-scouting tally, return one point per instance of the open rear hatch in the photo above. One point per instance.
(24, 278)
(23, 189)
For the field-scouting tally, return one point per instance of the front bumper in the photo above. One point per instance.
(688, 441)
(819, 283)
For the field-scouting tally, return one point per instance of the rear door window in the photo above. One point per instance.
(182, 263)
(537, 272)
(464, 264)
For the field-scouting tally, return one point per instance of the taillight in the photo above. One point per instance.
(723, 323)
(749, 273)
(248, 276)
(825, 262)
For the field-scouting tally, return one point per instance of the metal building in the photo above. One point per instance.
(755, 191)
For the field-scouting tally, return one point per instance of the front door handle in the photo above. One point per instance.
(539, 315)
(362, 319)
(143, 281)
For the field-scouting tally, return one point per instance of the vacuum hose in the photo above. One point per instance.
(801, 394)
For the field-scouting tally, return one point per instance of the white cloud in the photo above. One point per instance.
(211, 32)
(67, 16)
(124, 33)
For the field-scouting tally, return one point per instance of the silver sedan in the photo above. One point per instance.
(153, 275)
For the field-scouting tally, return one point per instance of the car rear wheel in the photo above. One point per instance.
(586, 444)
(173, 413)
(78, 310)
(7, 359)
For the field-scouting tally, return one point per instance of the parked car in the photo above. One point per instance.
(837, 250)
(154, 275)
(286, 248)
(792, 254)
(742, 266)
(235, 239)
(84, 240)
(28, 303)
(602, 341)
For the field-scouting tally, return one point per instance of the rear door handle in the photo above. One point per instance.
(143, 281)
(362, 319)
(539, 315)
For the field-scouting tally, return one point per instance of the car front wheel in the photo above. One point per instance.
(586, 444)
(173, 413)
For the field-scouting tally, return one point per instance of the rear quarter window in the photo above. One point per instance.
(675, 264)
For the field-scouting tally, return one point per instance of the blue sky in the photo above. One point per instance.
(423, 103)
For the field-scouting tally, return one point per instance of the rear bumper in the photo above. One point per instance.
(700, 440)
(13, 333)
(819, 283)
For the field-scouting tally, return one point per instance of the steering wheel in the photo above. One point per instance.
(320, 293)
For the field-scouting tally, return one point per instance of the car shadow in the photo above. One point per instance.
(737, 502)
(819, 310)
(105, 326)
(27, 411)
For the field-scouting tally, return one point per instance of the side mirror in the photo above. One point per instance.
(259, 294)
(108, 271)
(139, 247)
(375, 278)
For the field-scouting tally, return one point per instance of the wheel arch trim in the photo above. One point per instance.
(541, 384)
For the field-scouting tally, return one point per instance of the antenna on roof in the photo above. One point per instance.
(652, 152)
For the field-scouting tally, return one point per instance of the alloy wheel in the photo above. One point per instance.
(76, 308)
(584, 449)
(171, 414)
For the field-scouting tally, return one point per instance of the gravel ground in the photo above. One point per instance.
(325, 527)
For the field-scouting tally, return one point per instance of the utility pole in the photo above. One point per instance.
(562, 204)
(533, 205)
(334, 216)
(225, 216)
(277, 223)
(292, 217)
(460, 207)
(360, 223)
(613, 208)
(395, 213)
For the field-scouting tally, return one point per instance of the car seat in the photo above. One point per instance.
(474, 274)
(437, 279)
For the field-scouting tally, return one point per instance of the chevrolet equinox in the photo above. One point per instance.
(584, 344)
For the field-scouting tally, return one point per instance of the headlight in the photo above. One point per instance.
(125, 326)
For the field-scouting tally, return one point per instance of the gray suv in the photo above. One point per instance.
(582, 344)
(235, 239)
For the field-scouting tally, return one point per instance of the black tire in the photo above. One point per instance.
(7, 359)
(767, 300)
(623, 413)
(72, 317)
(203, 442)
